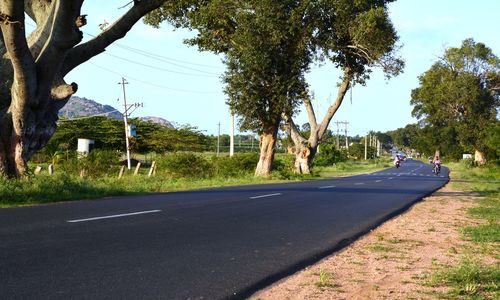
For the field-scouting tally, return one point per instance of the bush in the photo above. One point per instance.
(238, 165)
(328, 156)
(468, 163)
(185, 165)
(96, 164)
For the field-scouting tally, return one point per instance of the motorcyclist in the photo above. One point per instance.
(437, 163)
(397, 160)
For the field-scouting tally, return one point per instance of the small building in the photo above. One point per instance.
(85, 146)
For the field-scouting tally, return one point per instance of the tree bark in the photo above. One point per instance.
(479, 157)
(306, 149)
(267, 143)
(32, 71)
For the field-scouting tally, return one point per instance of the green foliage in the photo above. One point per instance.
(489, 233)
(357, 151)
(239, 165)
(470, 279)
(185, 165)
(461, 92)
(96, 164)
(469, 163)
(328, 156)
(270, 45)
(108, 134)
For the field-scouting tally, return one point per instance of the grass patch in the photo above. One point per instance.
(353, 167)
(325, 280)
(380, 248)
(67, 185)
(488, 233)
(470, 280)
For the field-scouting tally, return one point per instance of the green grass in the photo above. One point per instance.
(469, 280)
(472, 279)
(353, 167)
(43, 188)
(488, 233)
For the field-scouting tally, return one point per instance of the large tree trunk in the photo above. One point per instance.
(267, 143)
(32, 70)
(305, 149)
(479, 157)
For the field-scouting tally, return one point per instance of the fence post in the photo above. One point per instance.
(137, 168)
(122, 169)
(83, 173)
(152, 169)
(51, 169)
(38, 169)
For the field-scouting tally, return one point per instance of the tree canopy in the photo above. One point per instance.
(461, 91)
(268, 47)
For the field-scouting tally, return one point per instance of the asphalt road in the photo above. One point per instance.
(206, 244)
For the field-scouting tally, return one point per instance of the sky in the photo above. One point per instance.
(183, 85)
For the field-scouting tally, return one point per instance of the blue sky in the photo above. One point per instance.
(182, 85)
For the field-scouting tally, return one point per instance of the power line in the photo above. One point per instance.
(149, 83)
(158, 56)
(158, 68)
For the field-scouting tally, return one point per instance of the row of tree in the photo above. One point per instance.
(457, 105)
(268, 46)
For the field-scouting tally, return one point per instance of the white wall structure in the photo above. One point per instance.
(85, 146)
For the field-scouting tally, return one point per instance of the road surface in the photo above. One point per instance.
(205, 244)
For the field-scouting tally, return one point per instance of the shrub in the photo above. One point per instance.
(238, 165)
(97, 163)
(185, 165)
(468, 163)
(328, 156)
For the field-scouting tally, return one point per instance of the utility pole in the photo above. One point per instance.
(125, 119)
(126, 108)
(346, 139)
(218, 139)
(366, 147)
(338, 134)
(231, 135)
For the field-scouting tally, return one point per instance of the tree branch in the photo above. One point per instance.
(12, 26)
(117, 30)
(344, 86)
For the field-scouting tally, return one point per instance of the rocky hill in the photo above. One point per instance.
(78, 107)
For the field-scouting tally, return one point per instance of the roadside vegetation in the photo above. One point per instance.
(477, 275)
(97, 175)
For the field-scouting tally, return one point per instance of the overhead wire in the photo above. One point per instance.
(159, 58)
(150, 83)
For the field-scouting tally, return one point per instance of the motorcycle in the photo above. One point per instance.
(437, 168)
(397, 163)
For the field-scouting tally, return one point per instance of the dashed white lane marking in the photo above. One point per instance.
(264, 196)
(390, 178)
(326, 187)
(359, 183)
(378, 180)
(115, 216)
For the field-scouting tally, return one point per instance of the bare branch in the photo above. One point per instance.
(116, 31)
(344, 86)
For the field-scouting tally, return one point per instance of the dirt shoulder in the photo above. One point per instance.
(394, 260)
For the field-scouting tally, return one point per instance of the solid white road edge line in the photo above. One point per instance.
(115, 216)
(263, 196)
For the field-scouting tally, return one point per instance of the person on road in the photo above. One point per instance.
(437, 164)
(397, 161)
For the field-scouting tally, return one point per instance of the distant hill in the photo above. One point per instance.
(78, 107)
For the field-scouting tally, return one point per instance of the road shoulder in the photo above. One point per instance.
(394, 260)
